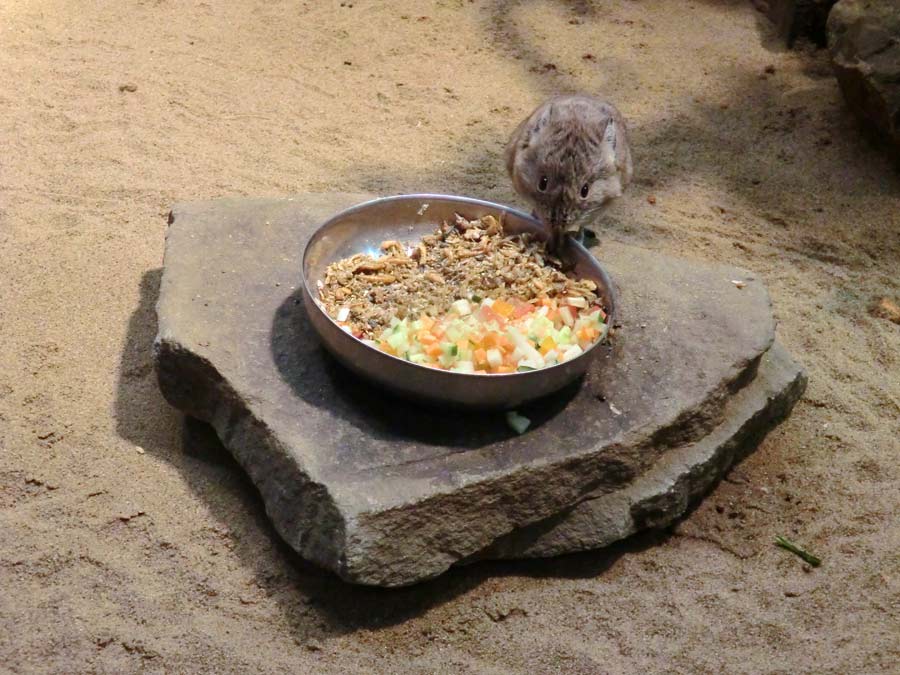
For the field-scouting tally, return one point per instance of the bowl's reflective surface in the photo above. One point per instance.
(408, 218)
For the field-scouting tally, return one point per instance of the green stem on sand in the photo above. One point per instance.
(793, 548)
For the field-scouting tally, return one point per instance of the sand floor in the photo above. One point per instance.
(130, 541)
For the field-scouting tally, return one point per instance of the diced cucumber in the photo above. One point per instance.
(519, 423)
(572, 352)
(463, 367)
(532, 356)
(398, 342)
(563, 336)
(462, 307)
(539, 326)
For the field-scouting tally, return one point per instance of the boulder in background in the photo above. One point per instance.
(798, 18)
(864, 41)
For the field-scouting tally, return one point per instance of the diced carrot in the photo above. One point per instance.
(480, 357)
(433, 350)
(504, 369)
(427, 322)
(491, 340)
(547, 344)
(481, 372)
(488, 315)
(502, 308)
(426, 337)
(506, 344)
(385, 347)
(462, 345)
(522, 309)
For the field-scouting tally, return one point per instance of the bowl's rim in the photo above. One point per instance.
(586, 354)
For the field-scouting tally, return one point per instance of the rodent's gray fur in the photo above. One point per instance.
(572, 141)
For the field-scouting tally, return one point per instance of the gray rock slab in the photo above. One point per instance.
(864, 41)
(682, 475)
(387, 493)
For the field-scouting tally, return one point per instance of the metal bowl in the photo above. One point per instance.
(362, 228)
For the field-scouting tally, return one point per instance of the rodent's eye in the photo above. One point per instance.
(584, 190)
(543, 184)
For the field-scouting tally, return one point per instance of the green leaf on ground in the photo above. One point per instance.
(797, 550)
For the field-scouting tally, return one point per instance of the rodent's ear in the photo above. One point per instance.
(608, 147)
(536, 123)
(622, 151)
(543, 118)
(610, 134)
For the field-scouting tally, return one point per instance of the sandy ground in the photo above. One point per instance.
(129, 541)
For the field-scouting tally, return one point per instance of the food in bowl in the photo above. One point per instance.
(467, 299)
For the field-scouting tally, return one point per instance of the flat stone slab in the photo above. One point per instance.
(387, 493)
(682, 475)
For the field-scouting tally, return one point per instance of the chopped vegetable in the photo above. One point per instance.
(503, 308)
(496, 336)
(572, 352)
(494, 358)
(462, 307)
(519, 423)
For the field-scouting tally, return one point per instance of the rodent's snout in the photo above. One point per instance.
(559, 216)
(555, 215)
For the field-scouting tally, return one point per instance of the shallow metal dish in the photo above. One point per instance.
(408, 218)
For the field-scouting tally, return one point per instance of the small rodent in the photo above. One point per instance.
(568, 159)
